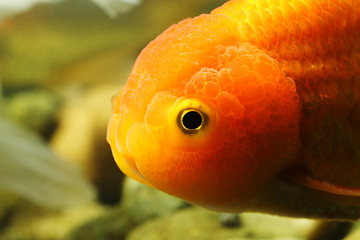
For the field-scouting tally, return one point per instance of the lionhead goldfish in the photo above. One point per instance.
(253, 107)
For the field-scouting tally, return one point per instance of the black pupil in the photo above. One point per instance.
(192, 120)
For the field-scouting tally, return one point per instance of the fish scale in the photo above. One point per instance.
(326, 65)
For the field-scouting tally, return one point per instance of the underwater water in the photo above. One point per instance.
(60, 64)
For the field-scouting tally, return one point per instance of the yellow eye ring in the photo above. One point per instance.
(192, 120)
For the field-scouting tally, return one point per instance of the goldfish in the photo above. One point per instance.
(252, 107)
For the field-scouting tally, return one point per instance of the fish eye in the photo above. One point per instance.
(193, 117)
(192, 120)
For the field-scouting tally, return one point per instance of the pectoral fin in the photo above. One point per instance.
(300, 177)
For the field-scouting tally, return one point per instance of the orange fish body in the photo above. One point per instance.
(255, 106)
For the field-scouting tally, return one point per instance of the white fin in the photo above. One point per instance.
(111, 7)
(29, 168)
(13, 7)
(114, 7)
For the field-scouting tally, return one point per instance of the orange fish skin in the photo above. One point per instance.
(278, 82)
(317, 44)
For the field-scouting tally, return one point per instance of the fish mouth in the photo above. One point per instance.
(299, 176)
(130, 162)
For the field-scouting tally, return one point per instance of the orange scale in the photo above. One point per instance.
(254, 18)
(210, 75)
(211, 90)
(230, 105)
(246, 31)
(254, 93)
(190, 89)
(237, 70)
(225, 82)
(247, 59)
(266, 66)
(261, 120)
(198, 80)
(224, 59)
(232, 52)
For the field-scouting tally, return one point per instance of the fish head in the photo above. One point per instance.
(205, 117)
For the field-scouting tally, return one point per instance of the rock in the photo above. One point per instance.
(230, 220)
(114, 224)
(25, 221)
(34, 109)
(140, 203)
(8, 202)
(198, 224)
(142, 200)
(330, 230)
(355, 234)
(81, 139)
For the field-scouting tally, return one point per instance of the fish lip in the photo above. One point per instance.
(297, 175)
(130, 161)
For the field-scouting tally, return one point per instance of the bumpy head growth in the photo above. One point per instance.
(205, 117)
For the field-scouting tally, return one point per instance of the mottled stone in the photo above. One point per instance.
(34, 109)
(25, 221)
(140, 204)
(198, 224)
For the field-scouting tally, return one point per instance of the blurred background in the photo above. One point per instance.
(61, 61)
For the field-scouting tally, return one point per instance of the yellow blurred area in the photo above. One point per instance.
(62, 61)
(76, 42)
